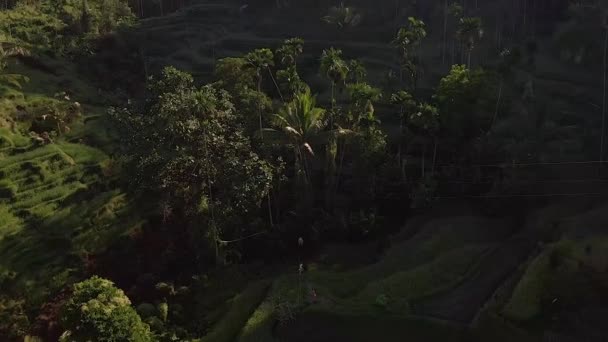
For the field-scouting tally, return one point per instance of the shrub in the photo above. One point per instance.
(98, 311)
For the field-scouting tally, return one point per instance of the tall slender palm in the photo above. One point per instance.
(470, 31)
(335, 69)
(357, 72)
(407, 41)
(288, 53)
(407, 105)
(260, 60)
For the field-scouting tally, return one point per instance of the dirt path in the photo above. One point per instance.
(462, 303)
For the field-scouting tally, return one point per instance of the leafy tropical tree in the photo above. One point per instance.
(98, 311)
(466, 100)
(186, 145)
(407, 41)
(238, 77)
(470, 31)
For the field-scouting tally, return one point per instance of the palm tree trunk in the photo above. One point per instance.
(445, 30)
(525, 16)
(423, 159)
(604, 97)
(333, 100)
(435, 142)
(399, 145)
(497, 103)
(453, 50)
(469, 60)
(275, 84)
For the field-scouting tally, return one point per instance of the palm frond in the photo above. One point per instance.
(272, 135)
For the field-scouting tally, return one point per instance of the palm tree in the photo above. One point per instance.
(508, 60)
(469, 31)
(300, 124)
(288, 53)
(424, 122)
(406, 104)
(335, 69)
(342, 16)
(357, 72)
(260, 60)
(407, 40)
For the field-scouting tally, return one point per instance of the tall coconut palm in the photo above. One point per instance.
(300, 124)
(470, 31)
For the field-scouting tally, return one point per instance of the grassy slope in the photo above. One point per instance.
(374, 300)
(55, 205)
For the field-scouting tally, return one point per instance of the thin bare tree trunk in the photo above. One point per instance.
(604, 97)
(525, 16)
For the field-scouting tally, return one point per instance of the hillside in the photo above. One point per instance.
(184, 188)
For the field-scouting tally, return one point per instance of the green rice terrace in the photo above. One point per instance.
(314, 171)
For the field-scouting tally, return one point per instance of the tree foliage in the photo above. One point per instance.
(342, 16)
(187, 143)
(465, 101)
(98, 311)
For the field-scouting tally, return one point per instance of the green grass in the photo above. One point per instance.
(445, 271)
(422, 249)
(525, 302)
(314, 325)
(259, 326)
(436, 259)
(241, 308)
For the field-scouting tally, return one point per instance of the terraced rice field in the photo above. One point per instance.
(54, 206)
